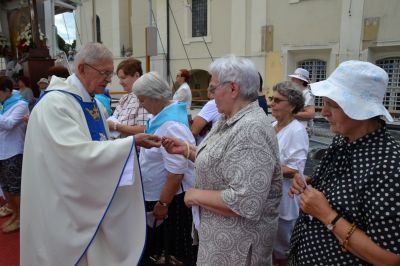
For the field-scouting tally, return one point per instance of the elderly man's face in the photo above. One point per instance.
(96, 76)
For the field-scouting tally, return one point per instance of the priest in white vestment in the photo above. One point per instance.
(82, 198)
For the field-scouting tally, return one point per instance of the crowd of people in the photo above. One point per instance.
(145, 184)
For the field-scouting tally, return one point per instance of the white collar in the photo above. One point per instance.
(74, 80)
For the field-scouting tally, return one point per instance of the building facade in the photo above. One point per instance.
(278, 35)
(198, 31)
(318, 35)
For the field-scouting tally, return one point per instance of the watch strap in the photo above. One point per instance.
(338, 216)
(331, 225)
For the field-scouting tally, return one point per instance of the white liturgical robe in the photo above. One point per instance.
(73, 211)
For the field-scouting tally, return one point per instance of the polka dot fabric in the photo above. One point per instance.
(361, 181)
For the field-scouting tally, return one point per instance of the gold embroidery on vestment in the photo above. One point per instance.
(94, 113)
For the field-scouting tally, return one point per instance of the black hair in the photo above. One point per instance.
(5, 84)
(261, 82)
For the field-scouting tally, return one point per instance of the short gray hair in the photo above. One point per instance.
(292, 93)
(91, 53)
(152, 85)
(240, 70)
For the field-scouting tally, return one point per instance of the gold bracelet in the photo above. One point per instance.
(188, 150)
(345, 243)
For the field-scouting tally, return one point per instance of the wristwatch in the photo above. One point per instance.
(331, 225)
(163, 204)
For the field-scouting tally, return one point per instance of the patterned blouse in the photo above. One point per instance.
(361, 181)
(240, 157)
(130, 112)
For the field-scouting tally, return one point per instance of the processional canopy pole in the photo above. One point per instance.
(34, 22)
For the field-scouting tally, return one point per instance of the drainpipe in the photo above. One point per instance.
(167, 56)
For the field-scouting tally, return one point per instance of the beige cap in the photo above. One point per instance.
(43, 80)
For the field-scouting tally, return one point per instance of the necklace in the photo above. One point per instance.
(280, 125)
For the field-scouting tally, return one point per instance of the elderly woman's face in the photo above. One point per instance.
(148, 104)
(127, 81)
(280, 106)
(339, 122)
(220, 93)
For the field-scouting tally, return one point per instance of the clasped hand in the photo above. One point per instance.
(312, 201)
(147, 141)
(174, 145)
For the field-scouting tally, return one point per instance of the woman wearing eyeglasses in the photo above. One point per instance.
(183, 94)
(292, 136)
(238, 175)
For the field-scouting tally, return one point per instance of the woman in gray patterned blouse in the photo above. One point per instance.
(238, 175)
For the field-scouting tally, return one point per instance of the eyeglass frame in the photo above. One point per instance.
(107, 74)
(276, 100)
(211, 89)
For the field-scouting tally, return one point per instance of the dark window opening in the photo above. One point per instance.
(199, 18)
(392, 97)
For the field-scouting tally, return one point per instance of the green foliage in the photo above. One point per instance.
(65, 46)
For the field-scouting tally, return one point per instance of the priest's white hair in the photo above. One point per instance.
(91, 53)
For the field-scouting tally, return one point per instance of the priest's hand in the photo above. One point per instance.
(160, 212)
(147, 141)
(174, 145)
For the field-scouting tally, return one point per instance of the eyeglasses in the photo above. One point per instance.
(212, 88)
(107, 74)
(276, 100)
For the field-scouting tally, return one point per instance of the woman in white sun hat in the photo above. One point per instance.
(301, 78)
(355, 191)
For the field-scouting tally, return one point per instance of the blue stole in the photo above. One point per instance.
(106, 101)
(92, 115)
(175, 112)
(10, 102)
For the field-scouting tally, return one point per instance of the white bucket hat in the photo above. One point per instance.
(301, 73)
(43, 80)
(358, 88)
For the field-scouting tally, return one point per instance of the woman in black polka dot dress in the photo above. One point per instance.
(354, 200)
